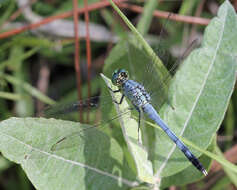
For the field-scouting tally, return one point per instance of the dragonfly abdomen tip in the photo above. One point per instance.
(204, 172)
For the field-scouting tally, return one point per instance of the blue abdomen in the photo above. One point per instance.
(152, 114)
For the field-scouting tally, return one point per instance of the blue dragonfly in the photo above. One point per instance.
(141, 96)
(141, 100)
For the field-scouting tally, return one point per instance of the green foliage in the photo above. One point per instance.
(145, 21)
(8, 11)
(97, 156)
(112, 158)
(194, 94)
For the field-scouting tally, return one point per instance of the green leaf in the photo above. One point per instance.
(146, 17)
(97, 163)
(141, 40)
(4, 164)
(230, 166)
(30, 89)
(10, 96)
(130, 127)
(200, 93)
(7, 11)
(12, 62)
(24, 106)
(223, 183)
(187, 175)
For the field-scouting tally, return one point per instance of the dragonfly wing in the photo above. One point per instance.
(77, 138)
(66, 108)
(92, 106)
(162, 94)
(72, 140)
(147, 73)
(105, 115)
(135, 61)
(127, 136)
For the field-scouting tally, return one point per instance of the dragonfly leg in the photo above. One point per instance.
(121, 100)
(114, 91)
(139, 121)
(139, 124)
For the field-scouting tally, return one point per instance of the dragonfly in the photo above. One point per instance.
(140, 95)
(141, 100)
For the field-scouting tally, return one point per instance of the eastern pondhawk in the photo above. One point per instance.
(140, 95)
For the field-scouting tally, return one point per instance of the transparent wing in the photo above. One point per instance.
(152, 74)
(77, 138)
(108, 116)
(146, 72)
(166, 79)
(162, 53)
(97, 107)
(128, 56)
(134, 61)
(61, 109)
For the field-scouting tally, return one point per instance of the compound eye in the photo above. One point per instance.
(123, 74)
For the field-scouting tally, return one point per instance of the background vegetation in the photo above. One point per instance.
(38, 61)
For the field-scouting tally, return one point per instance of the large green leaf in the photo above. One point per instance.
(200, 93)
(95, 162)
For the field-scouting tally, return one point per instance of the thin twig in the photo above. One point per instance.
(88, 51)
(197, 14)
(35, 25)
(77, 55)
(42, 84)
(164, 14)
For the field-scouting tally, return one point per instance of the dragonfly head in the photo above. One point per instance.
(119, 77)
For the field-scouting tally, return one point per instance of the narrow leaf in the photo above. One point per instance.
(130, 128)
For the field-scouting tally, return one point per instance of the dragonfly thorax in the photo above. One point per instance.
(136, 93)
(133, 90)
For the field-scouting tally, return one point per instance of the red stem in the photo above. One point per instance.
(88, 51)
(77, 55)
(55, 17)
(164, 14)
